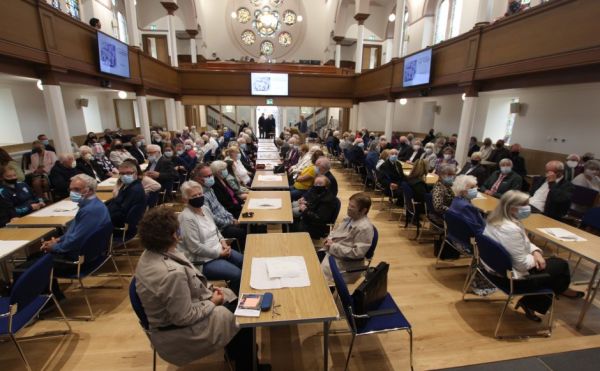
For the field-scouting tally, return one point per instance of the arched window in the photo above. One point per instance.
(73, 8)
(404, 42)
(447, 20)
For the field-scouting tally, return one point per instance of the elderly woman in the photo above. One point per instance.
(383, 156)
(118, 153)
(447, 158)
(201, 241)
(62, 172)
(87, 164)
(41, 159)
(131, 193)
(429, 156)
(189, 318)
(504, 226)
(415, 152)
(486, 149)
(233, 154)
(589, 178)
(221, 170)
(306, 177)
(304, 159)
(465, 189)
(442, 194)
(101, 159)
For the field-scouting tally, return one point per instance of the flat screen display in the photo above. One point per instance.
(113, 55)
(274, 84)
(417, 69)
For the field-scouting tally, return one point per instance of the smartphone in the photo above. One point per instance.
(267, 301)
(248, 214)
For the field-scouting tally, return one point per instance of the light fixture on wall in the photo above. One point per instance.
(403, 101)
(122, 94)
(299, 18)
(233, 15)
(392, 17)
(464, 95)
(39, 85)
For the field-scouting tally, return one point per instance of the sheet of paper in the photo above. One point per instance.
(480, 196)
(264, 203)
(61, 208)
(562, 234)
(259, 274)
(143, 167)
(283, 269)
(110, 182)
(8, 247)
(270, 178)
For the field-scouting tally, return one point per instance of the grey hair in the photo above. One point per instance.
(558, 165)
(505, 161)
(217, 166)
(476, 154)
(430, 145)
(446, 169)
(64, 156)
(502, 211)
(462, 183)
(186, 187)
(324, 162)
(85, 148)
(592, 165)
(153, 148)
(89, 182)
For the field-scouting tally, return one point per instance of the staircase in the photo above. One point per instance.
(214, 117)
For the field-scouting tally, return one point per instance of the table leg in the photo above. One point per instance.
(254, 350)
(326, 325)
(589, 298)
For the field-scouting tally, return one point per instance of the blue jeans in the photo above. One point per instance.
(228, 269)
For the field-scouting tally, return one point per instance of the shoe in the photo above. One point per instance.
(530, 314)
(578, 295)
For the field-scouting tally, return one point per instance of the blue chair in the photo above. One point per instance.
(27, 298)
(122, 235)
(457, 235)
(95, 252)
(436, 221)
(496, 258)
(410, 207)
(386, 317)
(136, 304)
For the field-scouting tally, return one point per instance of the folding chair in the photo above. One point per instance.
(584, 198)
(136, 304)
(591, 223)
(410, 208)
(436, 221)
(122, 235)
(28, 297)
(458, 235)
(386, 317)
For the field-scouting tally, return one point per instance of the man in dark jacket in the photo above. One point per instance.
(131, 193)
(317, 209)
(502, 180)
(323, 166)
(499, 153)
(16, 198)
(474, 167)
(404, 148)
(517, 160)
(62, 172)
(262, 121)
(391, 175)
(552, 195)
(88, 165)
(160, 168)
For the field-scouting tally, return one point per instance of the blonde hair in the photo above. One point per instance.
(508, 200)
(419, 170)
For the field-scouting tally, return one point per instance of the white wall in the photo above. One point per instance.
(157, 112)
(30, 108)
(11, 132)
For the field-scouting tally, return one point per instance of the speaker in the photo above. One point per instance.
(83, 102)
(515, 108)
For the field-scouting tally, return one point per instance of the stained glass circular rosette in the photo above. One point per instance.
(276, 2)
(266, 22)
(248, 37)
(256, 2)
(285, 39)
(266, 48)
(289, 17)
(243, 15)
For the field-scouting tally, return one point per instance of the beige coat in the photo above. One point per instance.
(174, 293)
(350, 245)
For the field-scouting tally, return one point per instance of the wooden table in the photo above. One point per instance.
(299, 304)
(107, 185)
(267, 156)
(406, 165)
(258, 184)
(267, 149)
(430, 179)
(31, 235)
(487, 204)
(269, 216)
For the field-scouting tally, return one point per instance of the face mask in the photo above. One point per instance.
(447, 157)
(361, 145)
(471, 193)
(449, 180)
(319, 189)
(11, 181)
(127, 179)
(152, 158)
(571, 164)
(428, 151)
(180, 152)
(139, 144)
(590, 172)
(168, 154)
(197, 202)
(75, 196)
(73, 165)
(505, 169)
(393, 158)
(224, 173)
(187, 147)
(523, 212)
(474, 162)
(45, 142)
(209, 181)
(416, 148)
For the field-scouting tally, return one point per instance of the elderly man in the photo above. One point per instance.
(323, 166)
(574, 167)
(415, 152)
(351, 240)
(357, 152)
(475, 168)
(131, 193)
(517, 160)
(62, 172)
(391, 175)
(551, 195)
(160, 168)
(317, 208)
(502, 180)
(403, 148)
(87, 164)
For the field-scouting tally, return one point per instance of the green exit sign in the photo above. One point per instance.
(269, 101)
(153, 27)
(371, 37)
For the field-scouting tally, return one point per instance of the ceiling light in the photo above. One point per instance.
(299, 18)
(233, 15)
(464, 95)
(122, 94)
(39, 85)
(403, 101)
(392, 17)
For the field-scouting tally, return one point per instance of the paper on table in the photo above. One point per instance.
(8, 247)
(259, 274)
(110, 182)
(283, 269)
(264, 203)
(61, 208)
(270, 178)
(480, 196)
(562, 234)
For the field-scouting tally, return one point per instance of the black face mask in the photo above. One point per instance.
(37, 150)
(119, 146)
(11, 181)
(197, 202)
(319, 189)
(474, 163)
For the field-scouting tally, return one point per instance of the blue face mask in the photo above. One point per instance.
(471, 193)
(505, 169)
(523, 212)
(393, 158)
(210, 181)
(224, 173)
(75, 196)
(152, 158)
(127, 179)
(449, 180)
(361, 145)
(317, 171)
(45, 142)
(168, 154)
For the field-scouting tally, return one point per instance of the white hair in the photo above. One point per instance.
(85, 148)
(217, 166)
(186, 187)
(65, 156)
(462, 183)
(89, 182)
(153, 148)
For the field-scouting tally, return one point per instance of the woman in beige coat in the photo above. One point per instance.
(189, 318)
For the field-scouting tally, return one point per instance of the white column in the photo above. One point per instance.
(467, 118)
(389, 119)
(132, 26)
(202, 116)
(338, 55)
(180, 110)
(428, 25)
(484, 11)
(55, 108)
(359, 47)
(398, 29)
(172, 40)
(284, 119)
(193, 51)
(253, 123)
(388, 43)
(144, 117)
(171, 114)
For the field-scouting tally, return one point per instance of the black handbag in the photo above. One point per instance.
(371, 292)
(279, 169)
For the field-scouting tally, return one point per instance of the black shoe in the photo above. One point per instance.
(578, 295)
(530, 314)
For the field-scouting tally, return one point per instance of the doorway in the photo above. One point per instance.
(156, 46)
(268, 110)
(371, 57)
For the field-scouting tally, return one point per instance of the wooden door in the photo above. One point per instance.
(157, 47)
(371, 56)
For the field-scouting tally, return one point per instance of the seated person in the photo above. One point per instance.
(240, 171)
(517, 160)
(404, 148)
(149, 184)
(87, 164)
(223, 193)
(590, 177)
(351, 240)
(552, 195)
(442, 194)
(201, 241)
(6, 160)
(220, 172)
(186, 157)
(41, 163)
(447, 158)
(316, 209)
(160, 168)
(383, 157)
(130, 193)
(303, 161)
(475, 168)
(465, 189)
(416, 180)
(43, 138)
(323, 167)
(415, 152)
(233, 181)
(16, 198)
(118, 153)
(504, 226)
(61, 174)
(293, 154)
(502, 180)
(102, 160)
(391, 175)
(138, 149)
(372, 156)
(357, 153)
(430, 156)
(196, 318)
(499, 153)
(306, 177)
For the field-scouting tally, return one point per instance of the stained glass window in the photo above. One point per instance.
(285, 39)
(289, 17)
(73, 8)
(442, 21)
(243, 15)
(266, 21)
(248, 37)
(266, 48)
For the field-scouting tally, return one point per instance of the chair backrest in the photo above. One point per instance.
(371, 251)
(591, 218)
(428, 204)
(457, 230)
(97, 243)
(133, 217)
(342, 289)
(136, 303)
(33, 282)
(493, 255)
(152, 199)
(409, 196)
(583, 196)
(336, 211)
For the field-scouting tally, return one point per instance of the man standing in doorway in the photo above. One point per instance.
(302, 125)
(262, 125)
(270, 126)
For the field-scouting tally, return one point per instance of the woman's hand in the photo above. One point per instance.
(540, 262)
(217, 298)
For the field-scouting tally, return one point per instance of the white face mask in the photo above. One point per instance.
(572, 164)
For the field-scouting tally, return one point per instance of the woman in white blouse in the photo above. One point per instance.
(233, 154)
(504, 226)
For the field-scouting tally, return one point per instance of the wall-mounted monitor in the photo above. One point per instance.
(113, 56)
(417, 69)
(272, 84)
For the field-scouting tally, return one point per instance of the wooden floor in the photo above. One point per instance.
(447, 331)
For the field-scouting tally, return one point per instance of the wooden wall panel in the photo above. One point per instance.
(157, 75)
(374, 83)
(321, 86)
(260, 101)
(18, 41)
